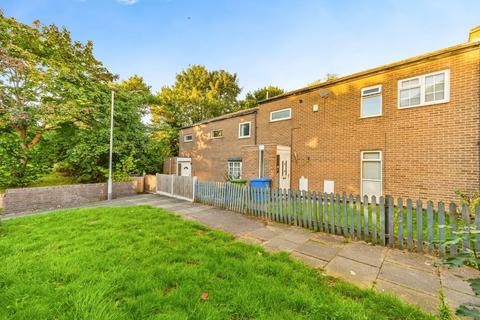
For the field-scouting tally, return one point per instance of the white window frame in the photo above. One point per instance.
(240, 168)
(371, 160)
(240, 129)
(421, 79)
(362, 95)
(281, 119)
(213, 137)
(188, 140)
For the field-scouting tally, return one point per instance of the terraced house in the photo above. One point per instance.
(409, 128)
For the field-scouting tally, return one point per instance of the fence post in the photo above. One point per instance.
(194, 187)
(171, 184)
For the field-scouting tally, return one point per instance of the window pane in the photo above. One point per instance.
(371, 91)
(372, 188)
(245, 129)
(439, 95)
(277, 115)
(371, 170)
(217, 133)
(235, 169)
(371, 155)
(409, 83)
(371, 106)
(429, 97)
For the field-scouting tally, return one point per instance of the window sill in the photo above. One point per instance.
(374, 116)
(280, 120)
(424, 104)
(245, 137)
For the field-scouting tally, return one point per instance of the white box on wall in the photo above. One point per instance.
(328, 186)
(303, 184)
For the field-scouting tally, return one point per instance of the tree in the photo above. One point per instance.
(46, 80)
(197, 94)
(88, 154)
(253, 98)
(326, 78)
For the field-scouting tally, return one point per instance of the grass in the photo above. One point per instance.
(144, 263)
(48, 180)
(52, 179)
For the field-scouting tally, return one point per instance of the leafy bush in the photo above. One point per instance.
(472, 201)
(465, 257)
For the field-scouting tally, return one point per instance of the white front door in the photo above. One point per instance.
(283, 167)
(185, 169)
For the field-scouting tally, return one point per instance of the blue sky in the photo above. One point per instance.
(287, 43)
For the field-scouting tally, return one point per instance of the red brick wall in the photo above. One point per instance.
(210, 156)
(428, 151)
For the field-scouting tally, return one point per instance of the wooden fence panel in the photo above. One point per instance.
(400, 209)
(419, 215)
(430, 226)
(365, 218)
(374, 219)
(453, 225)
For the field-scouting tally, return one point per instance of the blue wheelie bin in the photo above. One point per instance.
(260, 183)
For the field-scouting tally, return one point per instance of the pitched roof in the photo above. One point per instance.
(395, 65)
(224, 116)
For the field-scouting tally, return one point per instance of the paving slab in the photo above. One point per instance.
(328, 239)
(309, 260)
(424, 301)
(279, 244)
(363, 252)
(412, 260)
(358, 273)
(265, 233)
(454, 298)
(417, 279)
(295, 234)
(455, 278)
(318, 250)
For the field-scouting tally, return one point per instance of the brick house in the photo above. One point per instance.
(410, 128)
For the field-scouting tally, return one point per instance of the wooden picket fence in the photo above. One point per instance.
(176, 186)
(403, 224)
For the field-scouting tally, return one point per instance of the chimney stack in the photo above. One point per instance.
(474, 35)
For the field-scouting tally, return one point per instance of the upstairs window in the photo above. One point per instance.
(188, 138)
(279, 115)
(424, 90)
(244, 129)
(235, 170)
(218, 133)
(371, 104)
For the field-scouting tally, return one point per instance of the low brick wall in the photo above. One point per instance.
(1, 200)
(42, 198)
(150, 182)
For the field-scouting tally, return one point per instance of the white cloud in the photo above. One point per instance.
(127, 2)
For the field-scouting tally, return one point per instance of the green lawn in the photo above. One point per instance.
(145, 263)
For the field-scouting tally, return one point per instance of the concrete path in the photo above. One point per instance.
(412, 277)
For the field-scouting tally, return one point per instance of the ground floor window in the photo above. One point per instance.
(371, 173)
(235, 169)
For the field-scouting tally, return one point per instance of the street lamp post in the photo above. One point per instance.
(110, 183)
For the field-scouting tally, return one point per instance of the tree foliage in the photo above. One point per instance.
(46, 80)
(253, 98)
(197, 94)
